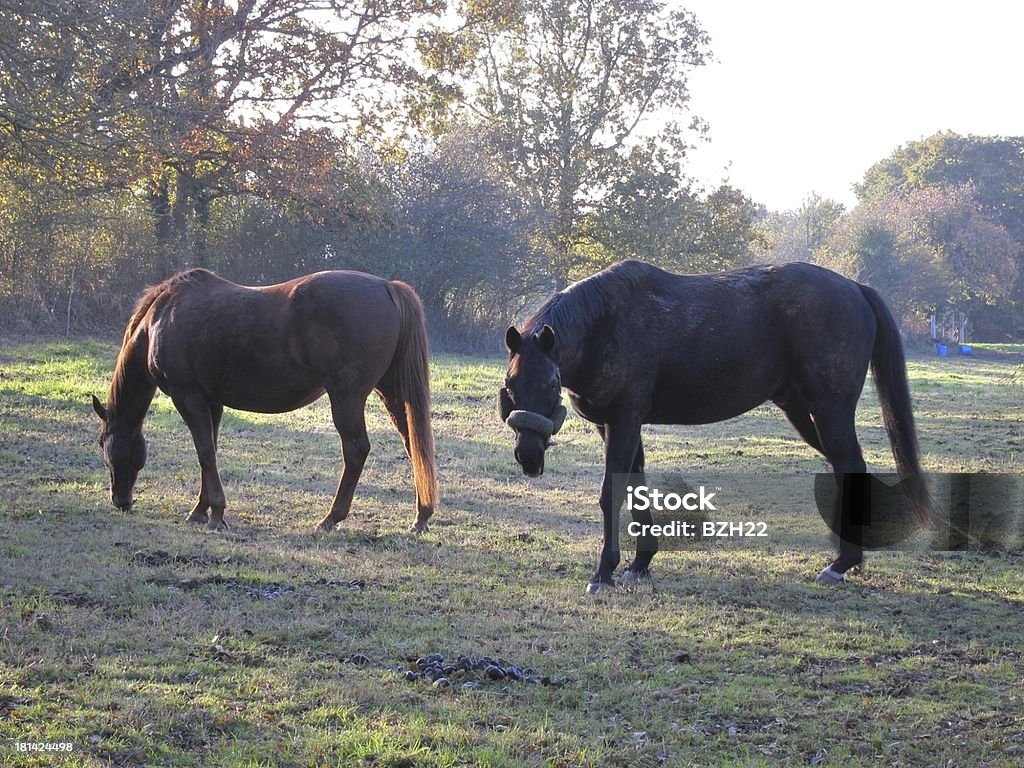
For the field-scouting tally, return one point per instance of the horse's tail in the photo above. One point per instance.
(410, 371)
(890, 370)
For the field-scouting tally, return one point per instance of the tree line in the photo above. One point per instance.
(938, 224)
(487, 153)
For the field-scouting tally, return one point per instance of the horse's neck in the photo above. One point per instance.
(569, 349)
(132, 389)
(577, 316)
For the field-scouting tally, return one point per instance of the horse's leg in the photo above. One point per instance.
(395, 407)
(638, 460)
(396, 410)
(350, 421)
(216, 414)
(796, 411)
(199, 513)
(839, 439)
(646, 546)
(622, 438)
(200, 418)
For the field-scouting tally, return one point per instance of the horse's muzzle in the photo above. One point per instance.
(533, 435)
(533, 468)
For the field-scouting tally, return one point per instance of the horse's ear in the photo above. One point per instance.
(98, 407)
(546, 337)
(513, 339)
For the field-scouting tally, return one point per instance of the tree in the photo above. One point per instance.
(993, 167)
(453, 227)
(188, 102)
(649, 213)
(566, 85)
(729, 230)
(59, 115)
(795, 235)
(652, 212)
(925, 250)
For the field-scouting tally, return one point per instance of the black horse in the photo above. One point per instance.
(635, 345)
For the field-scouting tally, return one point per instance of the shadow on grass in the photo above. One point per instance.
(149, 539)
(123, 625)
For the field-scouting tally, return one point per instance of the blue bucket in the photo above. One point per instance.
(965, 349)
(941, 350)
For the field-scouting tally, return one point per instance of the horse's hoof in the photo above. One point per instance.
(326, 526)
(631, 577)
(830, 577)
(419, 528)
(198, 519)
(217, 525)
(596, 586)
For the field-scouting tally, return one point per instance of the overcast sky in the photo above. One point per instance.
(805, 96)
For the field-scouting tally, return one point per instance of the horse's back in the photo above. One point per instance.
(339, 316)
(324, 311)
(703, 348)
(790, 326)
(272, 348)
(757, 305)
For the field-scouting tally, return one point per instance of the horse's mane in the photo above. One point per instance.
(154, 294)
(579, 307)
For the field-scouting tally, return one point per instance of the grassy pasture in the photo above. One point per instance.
(145, 641)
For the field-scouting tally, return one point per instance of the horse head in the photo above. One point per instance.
(530, 403)
(124, 453)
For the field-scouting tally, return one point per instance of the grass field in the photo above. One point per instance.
(142, 640)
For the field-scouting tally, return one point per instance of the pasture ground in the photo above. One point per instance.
(143, 640)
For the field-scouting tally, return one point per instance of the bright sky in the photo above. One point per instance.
(805, 96)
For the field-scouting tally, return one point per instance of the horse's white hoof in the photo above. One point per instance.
(596, 586)
(630, 578)
(830, 577)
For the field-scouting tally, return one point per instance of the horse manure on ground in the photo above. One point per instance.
(472, 673)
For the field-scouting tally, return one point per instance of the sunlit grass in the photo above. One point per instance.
(146, 641)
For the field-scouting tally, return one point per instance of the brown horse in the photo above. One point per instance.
(208, 343)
